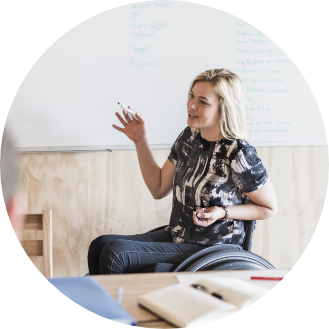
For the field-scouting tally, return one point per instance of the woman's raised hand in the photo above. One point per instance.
(133, 129)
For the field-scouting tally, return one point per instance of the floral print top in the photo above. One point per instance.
(211, 174)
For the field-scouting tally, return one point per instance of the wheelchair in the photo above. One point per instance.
(219, 257)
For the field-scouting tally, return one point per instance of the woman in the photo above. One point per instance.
(217, 179)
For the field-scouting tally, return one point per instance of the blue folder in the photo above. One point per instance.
(88, 293)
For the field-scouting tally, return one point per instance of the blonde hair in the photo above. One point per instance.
(228, 87)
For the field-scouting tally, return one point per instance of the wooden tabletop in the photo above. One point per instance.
(136, 285)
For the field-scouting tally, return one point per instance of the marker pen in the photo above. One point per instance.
(265, 278)
(133, 114)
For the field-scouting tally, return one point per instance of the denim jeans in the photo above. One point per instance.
(118, 254)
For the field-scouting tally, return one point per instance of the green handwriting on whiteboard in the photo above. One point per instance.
(266, 90)
(143, 35)
(266, 50)
(140, 6)
(266, 81)
(260, 41)
(141, 49)
(243, 33)
(242, 24)
(154, 4)
(143, 64)
(271, 130)
(157, 25)
(135, 16)
(252, 108)
(161, 5)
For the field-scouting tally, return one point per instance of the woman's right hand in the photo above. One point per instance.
(133, 129)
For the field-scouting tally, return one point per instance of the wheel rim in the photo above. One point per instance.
(229, 256)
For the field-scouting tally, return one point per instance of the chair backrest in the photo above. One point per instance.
(40, 247)
(249, 226)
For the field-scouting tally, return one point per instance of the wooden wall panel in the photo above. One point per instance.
(299, 176)
(58, 181)
(95, 193)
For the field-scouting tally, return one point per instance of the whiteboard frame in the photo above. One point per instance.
(153, 147)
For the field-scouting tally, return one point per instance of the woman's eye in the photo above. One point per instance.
(192, 96)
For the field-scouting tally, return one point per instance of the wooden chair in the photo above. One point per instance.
(43, 247)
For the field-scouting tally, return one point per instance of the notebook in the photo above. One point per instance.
(88, 293)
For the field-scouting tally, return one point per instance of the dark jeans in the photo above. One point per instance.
(117, 254)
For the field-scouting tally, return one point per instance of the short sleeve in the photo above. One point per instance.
(248, 172)
(173, 154)
(174, 150)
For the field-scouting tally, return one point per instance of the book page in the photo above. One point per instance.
(181, 305)
(243, 275)
(234, 291)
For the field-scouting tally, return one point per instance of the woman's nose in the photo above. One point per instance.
(193, 105)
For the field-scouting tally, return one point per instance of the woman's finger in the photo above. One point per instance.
(124, 123)
(132, 118)
(127, 116)
(196, 220)
(205, 215)
(200, 222)
(200, 210)
(118, 128)
(140, 119)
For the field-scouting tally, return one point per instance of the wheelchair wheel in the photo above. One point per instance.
(202, 253)
(230, 260)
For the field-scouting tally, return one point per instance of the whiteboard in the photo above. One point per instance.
(145, 55)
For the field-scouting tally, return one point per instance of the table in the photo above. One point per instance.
(134, 286)
(138, 284)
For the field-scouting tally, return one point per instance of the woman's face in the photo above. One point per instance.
(203, 107)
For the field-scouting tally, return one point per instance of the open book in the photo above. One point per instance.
(204, 301)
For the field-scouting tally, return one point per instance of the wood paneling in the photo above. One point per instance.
(95, 193)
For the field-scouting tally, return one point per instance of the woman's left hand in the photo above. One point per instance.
(205, 217)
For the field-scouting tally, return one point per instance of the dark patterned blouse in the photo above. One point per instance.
(211, 174)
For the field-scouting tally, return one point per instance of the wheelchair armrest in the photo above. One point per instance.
(249, 229)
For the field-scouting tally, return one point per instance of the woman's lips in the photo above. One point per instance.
(191, 117)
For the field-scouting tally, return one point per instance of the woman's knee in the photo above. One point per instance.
(97, 245)
(112, 252)
(115, 247)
